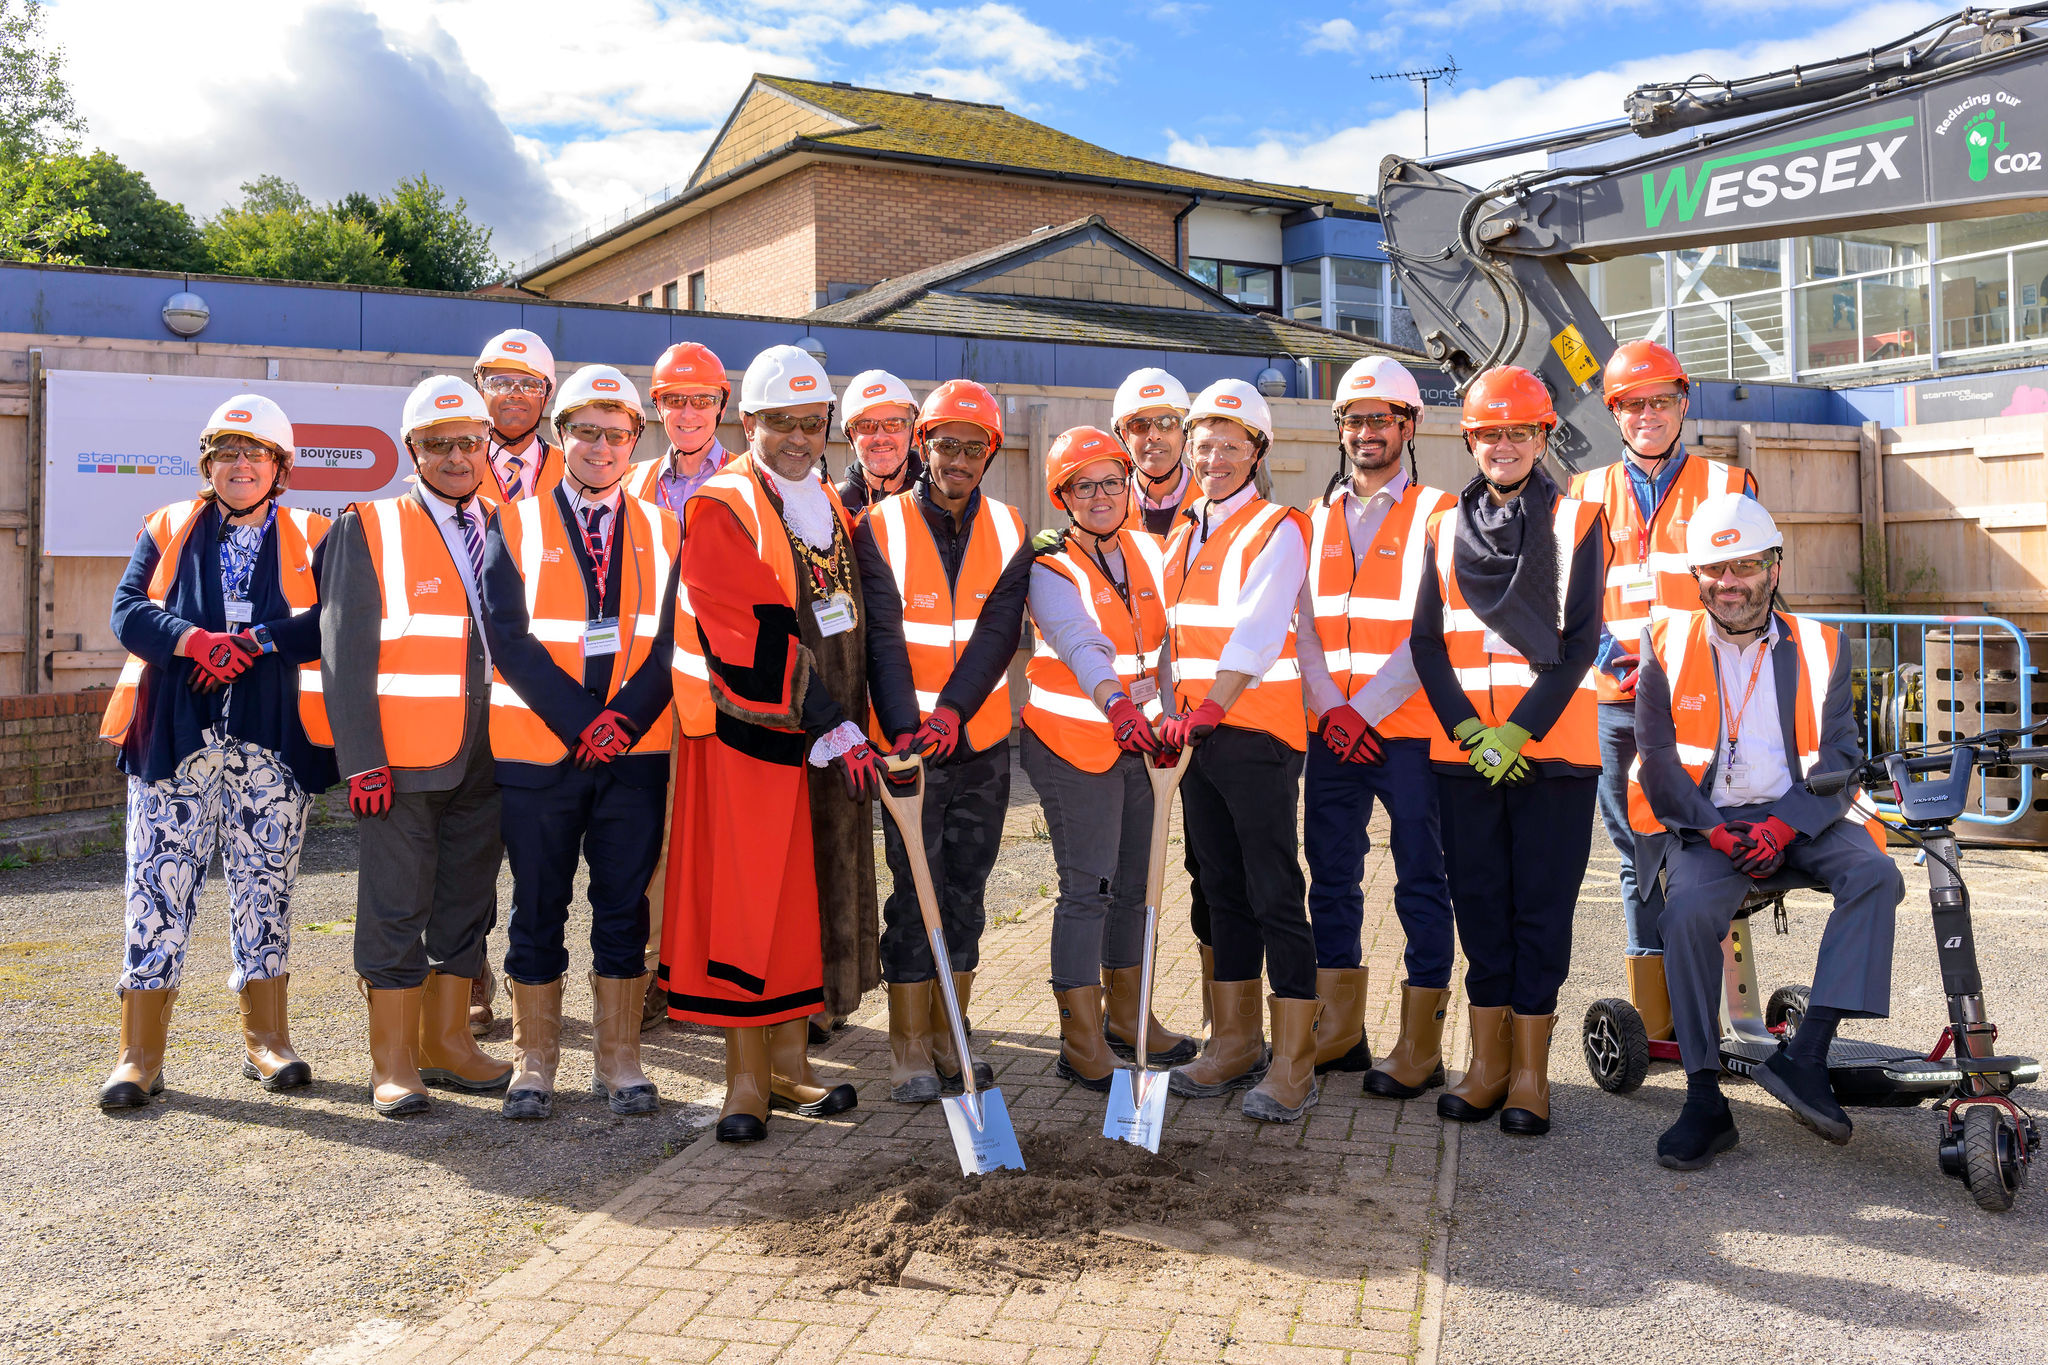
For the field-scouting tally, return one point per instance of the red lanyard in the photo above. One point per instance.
(603, 564)
(1734, 722)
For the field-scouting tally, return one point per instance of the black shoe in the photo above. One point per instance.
(628, 1099)
(129, 1095)
(528, 1104)
(1704, 1130)
(1455, 1108)
(1180, 1054)
(399, 1108)
(1067, 1073)
(1523, 1123)
(290, 1076)
(1358, 1059)
(919, 1090)
(984, 1077)
(741, 1128)
(837, 1100)
(1803, 1088)
(1387, 1088)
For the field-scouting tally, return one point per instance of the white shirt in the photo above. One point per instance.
(805, 506)
(581, 506)
(1067, 629)
(1272, 585)
(1760, 737)
(1172, 499)
(458, 550)
(1383, 694)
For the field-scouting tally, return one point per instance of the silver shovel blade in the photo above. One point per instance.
(1137, 1108)
(982, 1136)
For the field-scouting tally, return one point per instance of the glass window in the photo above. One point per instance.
(1993, 234)
(697, 292)
(1305, 291)
(1974, 303)
(1629, 284)
(1719, 271)
(1203, 270)
(647, 299)
(668, 294)
(1850, 253)
(1255, 286)
(1867, 321)
(1356, 307)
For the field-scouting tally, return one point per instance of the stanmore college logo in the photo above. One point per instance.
(1822, 165)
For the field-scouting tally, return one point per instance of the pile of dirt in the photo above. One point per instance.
(1079, 1205)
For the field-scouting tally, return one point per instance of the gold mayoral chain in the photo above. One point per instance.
(831, 570)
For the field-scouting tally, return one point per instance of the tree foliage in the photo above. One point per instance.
(433, 244)
(277, 233)
(37, 117)
(125, 222)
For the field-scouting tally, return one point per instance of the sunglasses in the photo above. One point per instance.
(1754, 567)
(953, 449)
(676, 402)
(1506, 436)
(1659, 403)
(784, 423)
(871, 426)
(443, 446)
(502, 384)
(231, 455)
(1371, 421)
(590, 434)
(1139, 426)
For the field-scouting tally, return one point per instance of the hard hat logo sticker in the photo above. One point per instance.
(1152, 391)
(448, 400)
(514, 347)
(1727, 537)
(605, 385)
(874, 390)
(237, 415)
(803, 383)
(1229, 400)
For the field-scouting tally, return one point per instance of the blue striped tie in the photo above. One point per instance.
(472, 536)
(513, 464)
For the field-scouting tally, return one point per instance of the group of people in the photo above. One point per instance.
(686, 673)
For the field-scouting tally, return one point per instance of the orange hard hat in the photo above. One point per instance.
(1507, 396)
(962, 400)
(1638, 364)
(1073, 451)
(689, 365)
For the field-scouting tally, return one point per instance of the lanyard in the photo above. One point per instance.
(1734, 722)
(1123, 590)
(602, 564)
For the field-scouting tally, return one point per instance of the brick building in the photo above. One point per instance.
(813, 192)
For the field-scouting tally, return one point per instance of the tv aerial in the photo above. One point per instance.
(1447, 73)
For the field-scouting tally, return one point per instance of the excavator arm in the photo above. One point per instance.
(1950, 122)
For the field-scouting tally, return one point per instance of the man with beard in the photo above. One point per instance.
(1149, 417)
(1737, 704)
(1365, 564)
(877, 418)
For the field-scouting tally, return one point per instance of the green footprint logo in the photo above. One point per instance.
(1981, 135)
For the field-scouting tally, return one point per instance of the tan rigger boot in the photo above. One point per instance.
(1235, 1055)
(1120, 988)
(1416, 1065)
(1526, 1112)
(448, 1054)
(537, 1034)
(1340, 1035)
(267, 1037)
(1289, 1089)
(792, 1084)
(145, 1032)
(1648, 993)
(615, 1040)
(1085, 1058)
(395, 1085)
(944, 1055)
(1478, 1093)
(913, 1075)
(745, 1115)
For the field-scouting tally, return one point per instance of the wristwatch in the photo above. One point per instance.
(260, 633)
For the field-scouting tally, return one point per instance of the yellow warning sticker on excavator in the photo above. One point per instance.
(1578, 359)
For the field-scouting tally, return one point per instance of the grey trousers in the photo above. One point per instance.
(1101, 828)
(427, 890)
(1703, 890)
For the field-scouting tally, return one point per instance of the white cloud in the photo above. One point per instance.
(1336, 35)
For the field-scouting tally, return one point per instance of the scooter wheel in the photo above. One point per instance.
(1787, 1007)
(1991, 1158)
(1617, 1046)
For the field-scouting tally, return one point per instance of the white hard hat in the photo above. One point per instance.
(1376, 376)
(1147, 388)
(596, 384)
(252, 414)
(1237, 400)
(874, 389)
(443, 398)
(522, 348)
(1729, 526)
(784, 377)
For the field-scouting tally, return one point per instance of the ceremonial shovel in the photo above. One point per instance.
(1137, 1098)
(982, 1136)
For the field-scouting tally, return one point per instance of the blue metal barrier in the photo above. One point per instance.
(1936, 679)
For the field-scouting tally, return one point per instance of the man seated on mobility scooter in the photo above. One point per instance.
(1735, 705)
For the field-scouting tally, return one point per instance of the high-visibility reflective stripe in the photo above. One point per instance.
(309, 679)
(556, 632)
(1060, 704)
(502, 694)
(131, 672)
(436, 625)
(418, 685)
(924, 633)
(927, 701)
(693, 665)
(1205, 670)
(890, 514)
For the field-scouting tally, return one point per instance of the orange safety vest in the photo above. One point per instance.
(643, 480)
(739, 487)
(557, 610)
(938, 619)
(1363, 614)
(1134, 515)
(1055, 707)
(1202, 610)
(1686, 655)
(1492, 672)
(1647, 575)
(299, 533)
(538, 479)
(423, 654)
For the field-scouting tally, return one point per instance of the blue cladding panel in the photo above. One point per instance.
(433, 325)
(1884, 403)
(1105, 367)
(250, 314)
(66, 304)
(592, 336)
(996, 362)
(1363, 239)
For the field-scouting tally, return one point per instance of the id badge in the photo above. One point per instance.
(1639, 586)
(1492, 643)
(601, 638)
(835, 614)
(1145, 690)
(1738, 777)
(239, 613)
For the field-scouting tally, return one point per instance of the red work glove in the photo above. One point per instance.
(1133, 732)
(1345, 733)
(218, 659)
(1767, 844)
(939, 736)
(1178, 732)
(369, 794)
(1627, 682)
(604, 739)
(1731, 840)
(861, 771)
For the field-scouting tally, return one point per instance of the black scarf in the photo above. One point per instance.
(1506, 560)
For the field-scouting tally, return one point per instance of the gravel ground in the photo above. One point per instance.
(226, 1224)
(1579, 1247)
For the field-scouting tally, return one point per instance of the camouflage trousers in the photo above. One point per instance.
(964, 805)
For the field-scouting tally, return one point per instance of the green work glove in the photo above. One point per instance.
(1049, 541)
(1497, 755)
(1468, 732)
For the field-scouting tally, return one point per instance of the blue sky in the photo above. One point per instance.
(546, 116)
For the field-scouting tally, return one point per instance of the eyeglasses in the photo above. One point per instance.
(1139, 426)
(871, 426)
(1755, 566)
(1506, 436)
(953, 449)
(784, 423)
(1371, 421)
(1658, 403)
(502, 384)
(1229, 450)
(442, 446)
(231, 455)
(1108, 488)
(676, 402)
(590, 433)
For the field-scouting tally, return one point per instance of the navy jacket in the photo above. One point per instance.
(169, 715)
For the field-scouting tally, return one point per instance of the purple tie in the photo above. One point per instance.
(472, 536)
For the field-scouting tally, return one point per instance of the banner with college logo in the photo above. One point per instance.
(118, 446)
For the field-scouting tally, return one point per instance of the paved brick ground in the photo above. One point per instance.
(668, 1272)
